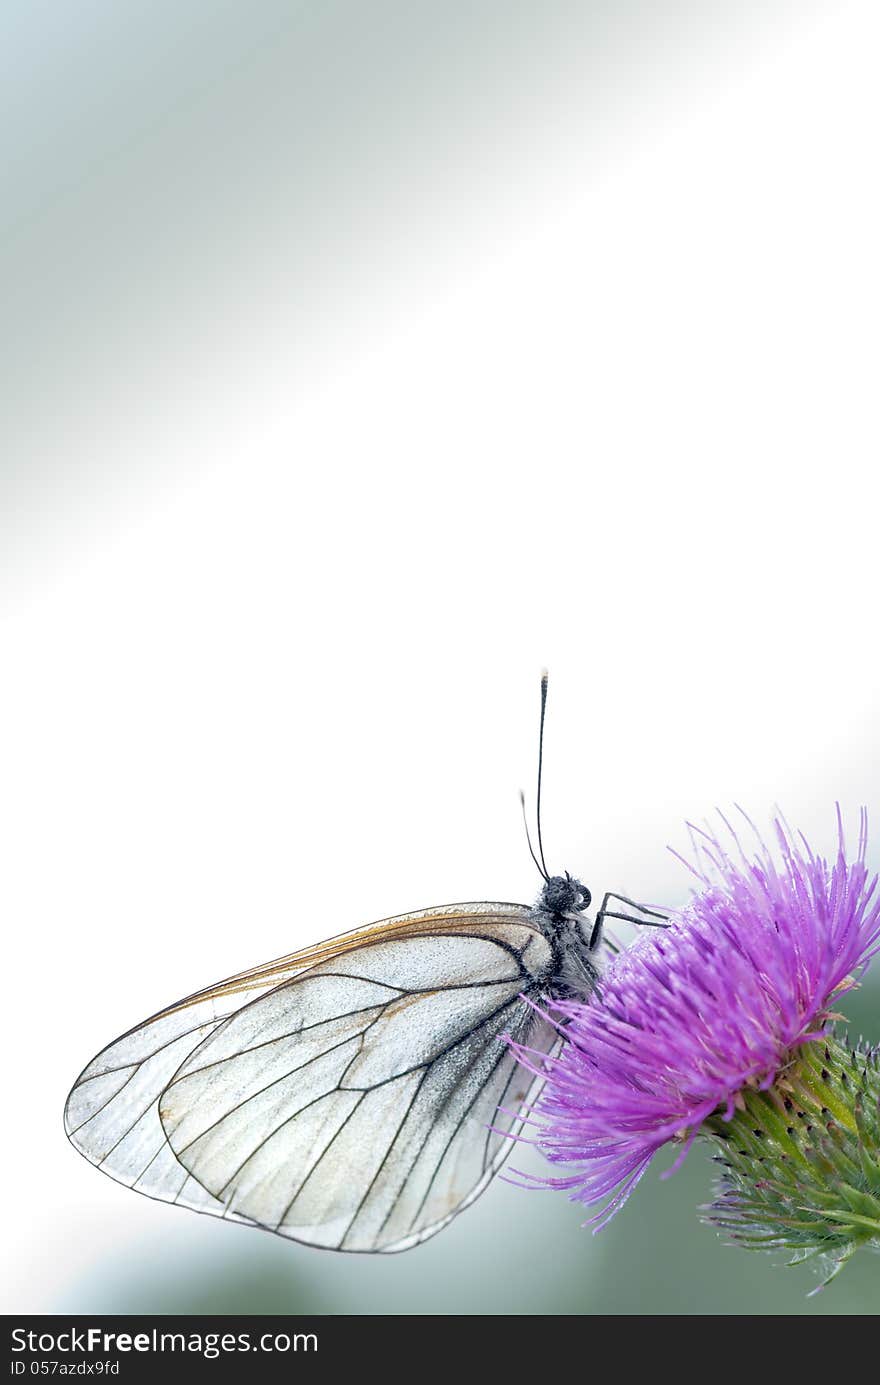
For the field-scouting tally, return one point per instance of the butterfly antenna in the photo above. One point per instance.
(544, 679)
(522, 799)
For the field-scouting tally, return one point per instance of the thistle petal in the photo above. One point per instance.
(691, 1020)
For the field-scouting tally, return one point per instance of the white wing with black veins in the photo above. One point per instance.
(354, 1096)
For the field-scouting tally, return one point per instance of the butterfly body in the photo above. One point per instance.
(355, 1095)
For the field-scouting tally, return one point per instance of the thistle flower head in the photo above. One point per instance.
(695, 1018)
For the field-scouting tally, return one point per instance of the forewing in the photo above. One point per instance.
(112, 1112)
(341, 1096)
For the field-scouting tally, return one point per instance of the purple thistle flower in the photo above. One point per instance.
(691, 1018)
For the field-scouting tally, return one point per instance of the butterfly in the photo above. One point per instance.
(356, 1095)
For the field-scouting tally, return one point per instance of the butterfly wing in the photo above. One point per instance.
(342, 1096)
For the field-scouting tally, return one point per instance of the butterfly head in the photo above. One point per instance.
(562, 894)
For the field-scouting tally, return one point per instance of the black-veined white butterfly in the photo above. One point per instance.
(356, 1095)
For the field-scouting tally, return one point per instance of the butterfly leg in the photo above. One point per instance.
(655, 918)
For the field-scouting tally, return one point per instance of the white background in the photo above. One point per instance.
(579, 371)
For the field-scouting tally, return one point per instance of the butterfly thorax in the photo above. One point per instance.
(559, 912)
